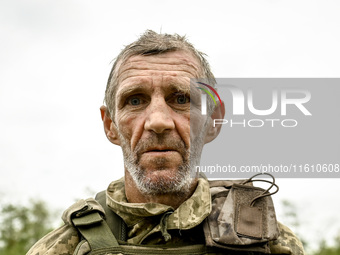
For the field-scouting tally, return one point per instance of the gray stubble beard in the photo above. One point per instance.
(179, 184)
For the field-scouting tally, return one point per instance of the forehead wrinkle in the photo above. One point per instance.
(131, 72)
(173, 69)
(176, 86)
(168, 83)
(178, 62)
(158, 65)
(135, 84)
(130, 89)
(136, 77)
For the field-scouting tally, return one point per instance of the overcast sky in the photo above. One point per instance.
(55, 57)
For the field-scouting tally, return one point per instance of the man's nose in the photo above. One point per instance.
(159, 117)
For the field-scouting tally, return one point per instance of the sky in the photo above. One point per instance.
(56, 57)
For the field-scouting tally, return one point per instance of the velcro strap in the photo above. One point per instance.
(86, 220)
(80, 208)
(249, 221)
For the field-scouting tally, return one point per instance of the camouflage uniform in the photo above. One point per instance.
(152, 223)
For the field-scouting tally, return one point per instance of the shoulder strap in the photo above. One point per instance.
(115, 223)
(87, 217)
(95, 230)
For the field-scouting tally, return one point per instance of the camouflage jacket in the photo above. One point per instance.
(153, 224)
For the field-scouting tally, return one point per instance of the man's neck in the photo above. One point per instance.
(134, 195)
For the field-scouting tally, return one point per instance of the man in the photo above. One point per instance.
(159, 202)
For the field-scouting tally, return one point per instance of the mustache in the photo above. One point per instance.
(160, 141)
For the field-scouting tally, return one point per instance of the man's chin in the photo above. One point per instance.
(163, 181)
(162, 173)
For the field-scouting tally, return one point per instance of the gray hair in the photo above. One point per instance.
(152, 43)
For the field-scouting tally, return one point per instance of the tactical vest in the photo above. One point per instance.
(242, 221)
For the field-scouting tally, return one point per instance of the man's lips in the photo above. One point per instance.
(160, 151)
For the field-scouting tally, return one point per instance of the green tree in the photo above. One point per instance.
(291, 219)
(325, 249)
(22, 226)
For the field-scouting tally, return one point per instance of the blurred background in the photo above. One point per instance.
(55, 57)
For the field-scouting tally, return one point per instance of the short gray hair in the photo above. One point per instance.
(152, 43)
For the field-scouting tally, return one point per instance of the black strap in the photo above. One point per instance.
(116, 224)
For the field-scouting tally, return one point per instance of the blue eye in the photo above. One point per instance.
(182, 99)
(135, 101)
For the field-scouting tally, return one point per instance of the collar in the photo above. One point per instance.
(188, 215)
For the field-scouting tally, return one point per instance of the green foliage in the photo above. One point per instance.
(291, 219)
(324, 249)
(22, 226)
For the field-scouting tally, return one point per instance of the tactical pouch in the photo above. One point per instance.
(242, 217)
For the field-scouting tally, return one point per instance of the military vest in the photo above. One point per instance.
(242, 221)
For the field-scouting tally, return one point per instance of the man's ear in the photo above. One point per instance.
(212, 132)
(109, 127)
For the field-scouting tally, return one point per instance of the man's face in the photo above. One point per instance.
(153, 120)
